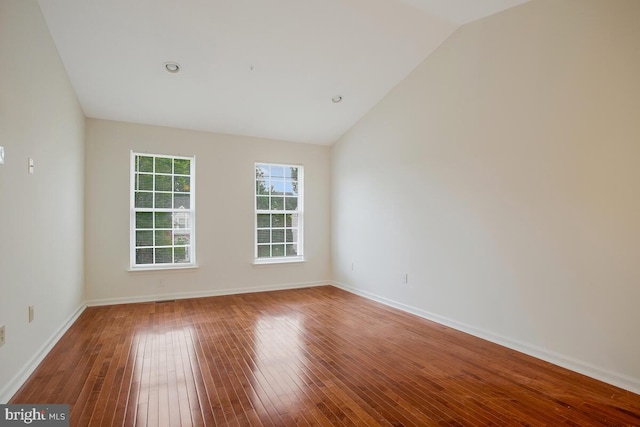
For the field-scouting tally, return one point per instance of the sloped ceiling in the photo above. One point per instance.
(248, 67)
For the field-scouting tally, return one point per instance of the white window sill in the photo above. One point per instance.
(276, 261)
(162, 268)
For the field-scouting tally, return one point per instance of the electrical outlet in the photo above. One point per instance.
(404, 278)
(2, 337)
(31, 313)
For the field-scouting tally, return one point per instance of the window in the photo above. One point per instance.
(279, 206)
(162, 211)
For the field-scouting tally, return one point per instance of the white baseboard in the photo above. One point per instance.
(202, 294)
(626, 382)
(19, 379)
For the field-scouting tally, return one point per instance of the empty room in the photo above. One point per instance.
(319, 213)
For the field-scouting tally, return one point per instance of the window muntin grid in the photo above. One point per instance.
(162, 211)
(278, 219)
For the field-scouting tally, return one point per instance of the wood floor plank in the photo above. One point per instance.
(306, 357)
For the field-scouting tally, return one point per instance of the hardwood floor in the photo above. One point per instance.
(318, 356)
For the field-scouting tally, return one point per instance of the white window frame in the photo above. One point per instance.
(299, 211)
(190, 215)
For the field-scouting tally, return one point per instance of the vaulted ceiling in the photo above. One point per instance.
(265, 68)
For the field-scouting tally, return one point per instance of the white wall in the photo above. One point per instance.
(502, 175)
(224, 213)
(41, 215)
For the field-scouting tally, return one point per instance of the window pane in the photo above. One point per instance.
(291, 203)
(261, 188)
(163, 165)
(291, 221)
(164, 255)
(144, 200)
(181, 255)
(291, 234)
(264, 251)
(277, 203)
(292, 250)
(262, 203)
(144, 182)
(144, 256)
(277, 171)
(181, 237)
(144, 238)
(181, 220)
(163, 200)
(181, 184)
(163, 183)
(163, 219)
(292, 173)
(277, 236)
(262, 171)
(291, 188)
(144, 220)
(144, 164)
(181, 201)
(277, 187)
(277, 220)
(264, 220)
(182, 166)
(278, 250)
(264, 236)
(163, 238)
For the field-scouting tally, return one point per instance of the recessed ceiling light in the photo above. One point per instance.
(336, 99)
(172, 67)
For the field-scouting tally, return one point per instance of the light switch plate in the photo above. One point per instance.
(1, 155)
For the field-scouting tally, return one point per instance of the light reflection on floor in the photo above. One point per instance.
(162, 372)
(280, 369)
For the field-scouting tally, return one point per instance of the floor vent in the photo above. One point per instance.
(165, 301)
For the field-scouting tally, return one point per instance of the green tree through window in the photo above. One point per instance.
(278, 201)
(162, 211)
